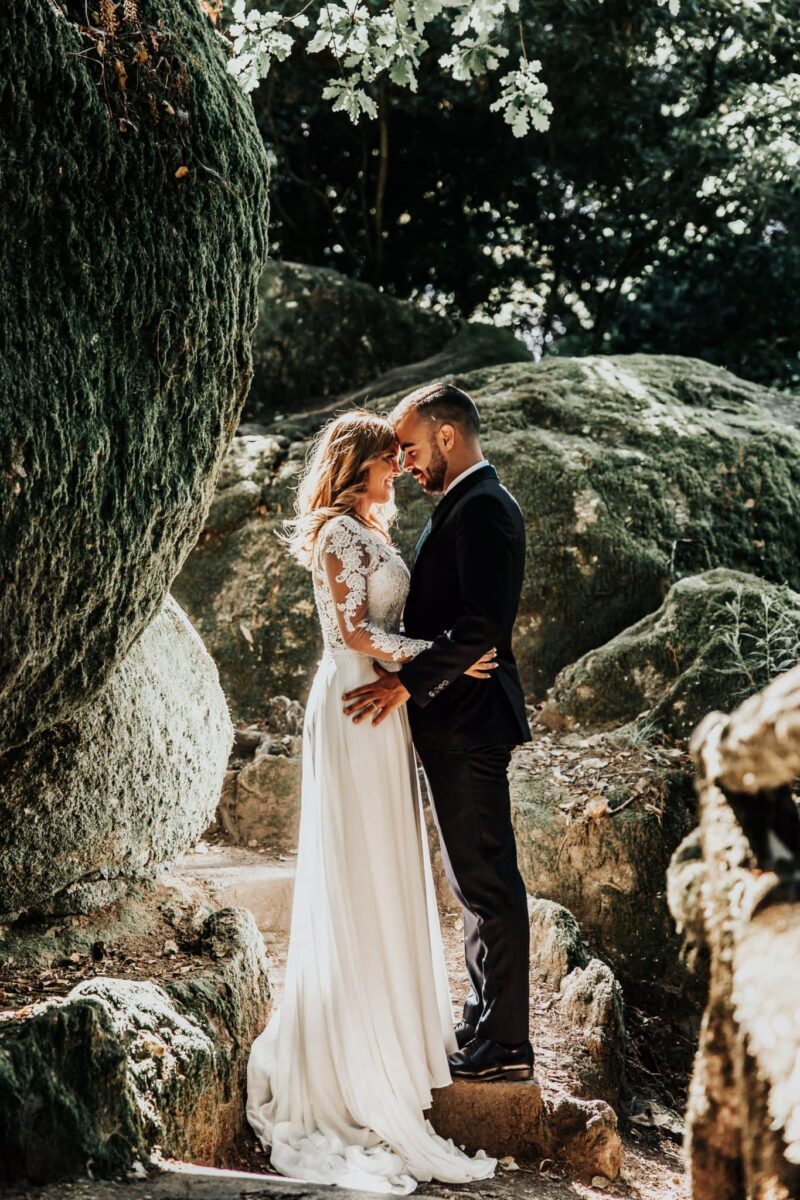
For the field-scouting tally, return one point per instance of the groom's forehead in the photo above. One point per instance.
(409, 429)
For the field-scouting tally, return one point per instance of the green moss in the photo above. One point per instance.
(127, 301)
(718, 637)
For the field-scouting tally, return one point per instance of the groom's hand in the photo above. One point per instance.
(376, 699)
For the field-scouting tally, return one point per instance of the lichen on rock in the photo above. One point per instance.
(557, 946)
(126, 785)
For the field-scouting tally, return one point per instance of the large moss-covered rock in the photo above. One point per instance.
(132, 237)
(96, 1080)
(717, 638)
(125, 786)
(631, 472)
(320, 333)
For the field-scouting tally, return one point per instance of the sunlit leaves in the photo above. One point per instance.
(523, 99)
(368, 44)
(258, 39)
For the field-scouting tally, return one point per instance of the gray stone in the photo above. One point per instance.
(599, 843)
(125, 786)
(111, 432)
(557, 945)
(261, 804)
(96, 1080)
(591, 1000)
(717, 638)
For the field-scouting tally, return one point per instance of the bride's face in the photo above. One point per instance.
(381, 474)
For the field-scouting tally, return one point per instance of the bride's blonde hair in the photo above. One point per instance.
(334, 478)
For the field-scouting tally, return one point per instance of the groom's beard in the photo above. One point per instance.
(432, 479)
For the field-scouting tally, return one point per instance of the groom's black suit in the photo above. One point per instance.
(466, 580)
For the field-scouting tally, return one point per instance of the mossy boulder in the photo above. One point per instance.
(123, 787)
(320, 334)
(631, 471)
(591, 1001)
(97, 1080)
(132, 237)
(717, 638)
(596, 822)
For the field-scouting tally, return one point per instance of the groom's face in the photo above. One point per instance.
(422, 455)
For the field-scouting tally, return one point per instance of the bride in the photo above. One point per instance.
(338, 1082)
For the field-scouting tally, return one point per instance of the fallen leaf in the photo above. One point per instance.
(596, 807)
(180, 174)
(246, 634)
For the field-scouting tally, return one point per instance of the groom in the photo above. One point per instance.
(466, 580)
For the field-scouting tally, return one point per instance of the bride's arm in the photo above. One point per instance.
(347, 563)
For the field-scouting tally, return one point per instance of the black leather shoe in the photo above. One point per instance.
(464, 1033)
(489, 1062)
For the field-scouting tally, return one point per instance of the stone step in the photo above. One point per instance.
(243, 878)
(514, 1119)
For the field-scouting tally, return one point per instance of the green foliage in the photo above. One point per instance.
(658, 212)
(373, 40)
(762, 641)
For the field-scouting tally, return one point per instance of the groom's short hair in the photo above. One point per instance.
(440, 402)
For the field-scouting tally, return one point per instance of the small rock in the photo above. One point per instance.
(556, 943)
(170, 947)
(591, 998)
(600, 1181)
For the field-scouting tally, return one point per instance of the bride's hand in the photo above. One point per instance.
(482, 669)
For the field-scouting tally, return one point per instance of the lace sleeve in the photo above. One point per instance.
(347, 559)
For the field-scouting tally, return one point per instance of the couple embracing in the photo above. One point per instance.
(340, 1079)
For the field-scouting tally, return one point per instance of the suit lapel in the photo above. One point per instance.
(446, 504)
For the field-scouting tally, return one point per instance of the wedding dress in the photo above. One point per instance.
(338, 1081)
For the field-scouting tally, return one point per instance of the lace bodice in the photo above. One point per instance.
(360, 586)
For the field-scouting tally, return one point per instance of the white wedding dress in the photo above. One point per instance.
(338, 1081)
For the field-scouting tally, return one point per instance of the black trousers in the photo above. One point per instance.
(472, 809)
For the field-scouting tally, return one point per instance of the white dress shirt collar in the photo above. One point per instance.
(475, 467)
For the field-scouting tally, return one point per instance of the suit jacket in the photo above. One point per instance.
(466, 580)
